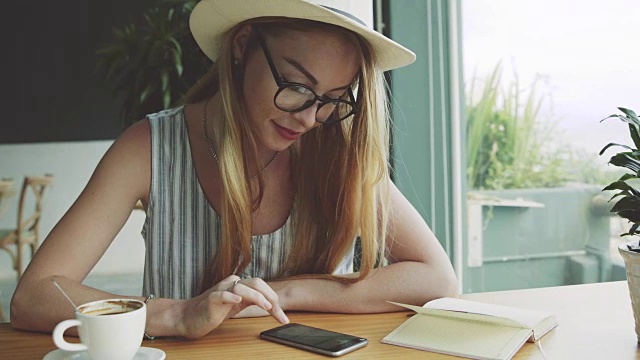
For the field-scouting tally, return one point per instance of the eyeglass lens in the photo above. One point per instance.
(292, 97)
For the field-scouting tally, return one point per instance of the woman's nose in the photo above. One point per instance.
(307, 117)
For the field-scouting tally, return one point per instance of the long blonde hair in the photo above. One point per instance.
(340, 172)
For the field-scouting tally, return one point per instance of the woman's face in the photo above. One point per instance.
(319, 59)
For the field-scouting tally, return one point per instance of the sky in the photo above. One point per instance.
(587, 51)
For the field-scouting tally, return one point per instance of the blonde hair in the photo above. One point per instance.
(341, 187)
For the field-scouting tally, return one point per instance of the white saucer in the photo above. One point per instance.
(145, 353)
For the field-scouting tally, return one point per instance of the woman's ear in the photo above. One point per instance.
(240, 40)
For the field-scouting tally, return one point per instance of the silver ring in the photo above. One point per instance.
(234, 284)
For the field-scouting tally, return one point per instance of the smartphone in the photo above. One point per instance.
(313, 339)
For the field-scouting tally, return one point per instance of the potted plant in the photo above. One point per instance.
(627, 205)
(151, 62)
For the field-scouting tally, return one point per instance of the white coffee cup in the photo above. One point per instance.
(109, 329)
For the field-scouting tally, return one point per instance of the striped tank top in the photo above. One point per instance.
(181, 229)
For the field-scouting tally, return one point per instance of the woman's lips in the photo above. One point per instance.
(286, 132)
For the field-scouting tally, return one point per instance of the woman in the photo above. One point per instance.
(257, 188)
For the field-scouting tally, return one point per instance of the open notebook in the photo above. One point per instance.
(470, 329)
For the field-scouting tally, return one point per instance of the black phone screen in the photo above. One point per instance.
(311, 338)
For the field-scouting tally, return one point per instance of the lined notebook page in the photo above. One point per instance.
(481, 340)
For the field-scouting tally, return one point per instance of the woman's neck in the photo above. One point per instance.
(266, 157)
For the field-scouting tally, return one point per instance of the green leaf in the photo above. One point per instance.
(167, 99)
(179, 68)
(178, 62)
(630, 113)
(176, 45)
(621, 185)
(621, 193)
(626, 119)
(614, 144)
(631, 215)
(629, 203)
(145, 93)
(627, 161)
(626, 177)
(164, 78)
(635, 135)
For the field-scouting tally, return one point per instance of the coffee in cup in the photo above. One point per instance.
(108, 329)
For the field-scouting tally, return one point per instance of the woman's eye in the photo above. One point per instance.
(300, 89)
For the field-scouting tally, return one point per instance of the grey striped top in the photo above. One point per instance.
(181, 229)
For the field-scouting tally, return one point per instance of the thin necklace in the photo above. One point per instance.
(210, 142)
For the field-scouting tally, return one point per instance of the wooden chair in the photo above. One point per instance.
(6, 191)
(28, 221)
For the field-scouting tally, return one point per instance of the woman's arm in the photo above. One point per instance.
(84, 233)
(419, 271)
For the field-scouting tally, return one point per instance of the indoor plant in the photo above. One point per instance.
(628, 204)
(151, 62)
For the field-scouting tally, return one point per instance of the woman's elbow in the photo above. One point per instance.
(450, 287)
(18, 313)
(447, 283)
(23, 309)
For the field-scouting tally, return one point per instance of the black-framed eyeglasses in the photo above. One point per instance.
(295, 97)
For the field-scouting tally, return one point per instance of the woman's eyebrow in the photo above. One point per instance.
(306, 73)
(302, 69)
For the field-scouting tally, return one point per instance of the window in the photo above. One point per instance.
(539, 75)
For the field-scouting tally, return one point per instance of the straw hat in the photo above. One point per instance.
(211, 18)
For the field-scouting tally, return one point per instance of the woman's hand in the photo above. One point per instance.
(261, 295)
(230, 296)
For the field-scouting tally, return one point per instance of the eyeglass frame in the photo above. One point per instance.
(282, 85)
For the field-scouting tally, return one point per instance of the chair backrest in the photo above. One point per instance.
(37, 185)
(6, 191)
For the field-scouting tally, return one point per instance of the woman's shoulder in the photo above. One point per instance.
(126, 164)
(134, 142)
(138, 135)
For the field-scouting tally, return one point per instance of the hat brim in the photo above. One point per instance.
(212, 18)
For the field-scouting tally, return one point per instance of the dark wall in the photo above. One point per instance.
(52, 90)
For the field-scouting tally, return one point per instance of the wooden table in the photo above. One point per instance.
(596, 322)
